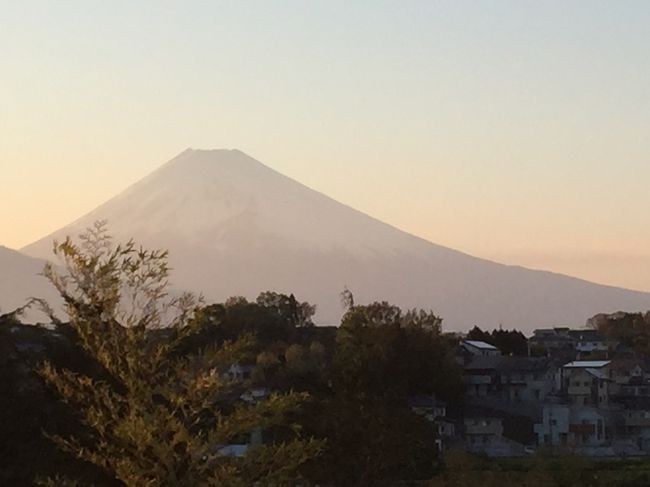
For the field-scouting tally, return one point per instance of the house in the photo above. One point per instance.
(634, 387)
(526, 379)
(510, 379)
(481, 376)
(548, 341)
(586, 382)
(477, 347)
(591, 342)
(629, 378)
(574, 427)
(483, 433)
(435, 411)
(636, 422)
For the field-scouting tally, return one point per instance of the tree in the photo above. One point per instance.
(272, 318)
(630, 329)
(383, 355)
(293, 312)
(383, 351)
(153, 416)
(478, 334)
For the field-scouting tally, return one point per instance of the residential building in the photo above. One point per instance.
(483, 432)
(586, 383)
(548, 341)
(572, 426)
(481, 376)
(477, 347)
(526, 379)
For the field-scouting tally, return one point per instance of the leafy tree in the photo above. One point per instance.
(383, 355)
(152, 416)
(383, 351)
(295, 313)
(631, 329)
(272, 318)
(369, 443)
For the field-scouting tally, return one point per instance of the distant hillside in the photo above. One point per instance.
(236, 227)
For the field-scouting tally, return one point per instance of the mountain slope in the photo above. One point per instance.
(20, 280)
(236, 227)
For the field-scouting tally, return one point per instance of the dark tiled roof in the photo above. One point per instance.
(525, 364)
(510, 364)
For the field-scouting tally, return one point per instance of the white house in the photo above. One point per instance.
(573, 427)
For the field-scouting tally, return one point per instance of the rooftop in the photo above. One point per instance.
(587, 364)
(597, 374)
(481, 345)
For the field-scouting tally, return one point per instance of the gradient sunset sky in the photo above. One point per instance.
(517, 131)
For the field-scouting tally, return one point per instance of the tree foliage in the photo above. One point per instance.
(630, 329)
(151, 415)
(385, 352)
(382, 356)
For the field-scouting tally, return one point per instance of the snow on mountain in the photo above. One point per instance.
(236, 227)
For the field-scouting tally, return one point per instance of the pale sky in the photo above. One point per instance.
(512, 130)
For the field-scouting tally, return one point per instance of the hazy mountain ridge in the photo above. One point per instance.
(235, 226)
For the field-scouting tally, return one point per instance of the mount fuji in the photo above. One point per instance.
(233, 226)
